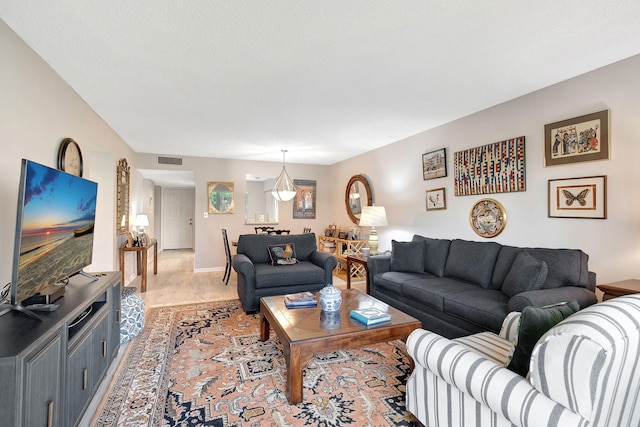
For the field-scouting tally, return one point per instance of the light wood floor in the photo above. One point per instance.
(177, 283)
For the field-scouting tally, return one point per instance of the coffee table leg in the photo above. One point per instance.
(294, 374)
(264, 328)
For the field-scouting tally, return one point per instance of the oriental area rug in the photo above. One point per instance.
(204, 365)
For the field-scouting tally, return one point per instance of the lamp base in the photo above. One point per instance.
(373, 241)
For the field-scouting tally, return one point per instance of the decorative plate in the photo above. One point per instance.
(488, 218)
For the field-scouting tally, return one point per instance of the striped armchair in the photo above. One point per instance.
(585, 371)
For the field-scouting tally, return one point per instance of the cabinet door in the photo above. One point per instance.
(43, 377)
(116, 315)
(100, 353)
(79, 379)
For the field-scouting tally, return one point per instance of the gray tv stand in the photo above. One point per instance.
(49, 370)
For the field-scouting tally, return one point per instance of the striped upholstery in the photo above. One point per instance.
(584, 372)
(590, 363)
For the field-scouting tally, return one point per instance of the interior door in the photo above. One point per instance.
(177, 218)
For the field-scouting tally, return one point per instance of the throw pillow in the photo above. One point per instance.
(526, 274)
(282, 254)
(407, 256)
(534, 323)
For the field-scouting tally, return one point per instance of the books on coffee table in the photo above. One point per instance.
(370, 316)
(300, 300)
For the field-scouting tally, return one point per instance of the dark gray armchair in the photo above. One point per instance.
(257, 277)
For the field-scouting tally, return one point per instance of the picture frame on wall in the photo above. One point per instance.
(490, 168)
(434, 164)
(584, 197)
(436, 199)
(304, 203)
(581, 139)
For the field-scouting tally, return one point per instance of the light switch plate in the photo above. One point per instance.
(206, 214)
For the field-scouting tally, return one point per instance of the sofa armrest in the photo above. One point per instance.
(327, 261)
(242, 264)
(443, 364)
(542, 297)
(378, 264)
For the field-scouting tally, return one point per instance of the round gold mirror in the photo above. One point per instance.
(358, 194)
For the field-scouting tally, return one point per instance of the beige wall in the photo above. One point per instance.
(613, 244)
(38, 110)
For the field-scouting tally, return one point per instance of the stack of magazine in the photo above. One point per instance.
(370, 316)
(300, 300)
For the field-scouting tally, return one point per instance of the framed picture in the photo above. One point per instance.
(488, 218)
(436, 199)
(578, 197)
(580, 139)
(491, 168)
(434, 164)
(304, 203)
(220, 195)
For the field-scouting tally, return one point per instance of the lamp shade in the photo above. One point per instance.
(141, 221)
(373, 216)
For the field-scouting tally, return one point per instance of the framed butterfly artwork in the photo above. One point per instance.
(578, 197)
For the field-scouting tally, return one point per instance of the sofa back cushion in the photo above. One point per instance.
(565, 266)
(254, 246)
(407, 256)
(435, 254)
(472, 262)
(527, 273)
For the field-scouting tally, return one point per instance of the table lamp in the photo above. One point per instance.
(141, 222)
(373, 216)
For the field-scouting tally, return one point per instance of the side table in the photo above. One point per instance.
(618, 289)
(360, 263)
(141, 261)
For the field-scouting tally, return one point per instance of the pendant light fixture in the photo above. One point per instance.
(284, 190)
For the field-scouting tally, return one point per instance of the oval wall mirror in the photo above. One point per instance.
(358, 194)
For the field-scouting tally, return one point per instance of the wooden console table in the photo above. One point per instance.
(341, 249)
(618, 289)
(141, 261)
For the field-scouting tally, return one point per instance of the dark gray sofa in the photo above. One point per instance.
(458, 287)
(258, 278)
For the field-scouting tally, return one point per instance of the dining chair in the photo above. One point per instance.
(306, 230)
(279, 231)
(227, 252)
(263, 229)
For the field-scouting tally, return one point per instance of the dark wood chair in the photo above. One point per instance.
(227, 252)
(263, 230)
(279, 231)
(306, 230)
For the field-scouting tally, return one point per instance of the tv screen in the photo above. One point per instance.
(54, 229)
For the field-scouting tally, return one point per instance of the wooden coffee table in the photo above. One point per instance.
(304, 332)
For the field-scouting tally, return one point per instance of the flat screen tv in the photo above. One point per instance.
(54, 229)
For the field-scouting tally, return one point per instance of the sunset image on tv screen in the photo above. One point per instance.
(57, 228)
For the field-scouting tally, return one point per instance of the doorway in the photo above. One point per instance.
(177, 218)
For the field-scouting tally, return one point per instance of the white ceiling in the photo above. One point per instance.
(326, 80)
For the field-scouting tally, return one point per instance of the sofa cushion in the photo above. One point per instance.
(534, 323)
(566, 267)
(282, 254)
(435, 254)
(483, 307)
(472, 261)
(407, 256)
(527, 273)
(431, 291)
(273, 276)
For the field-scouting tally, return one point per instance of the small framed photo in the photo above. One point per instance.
(580, 139)
(436, 199)
(578, 197)
(434, 164)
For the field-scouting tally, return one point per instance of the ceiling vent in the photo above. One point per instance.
(163, 160)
